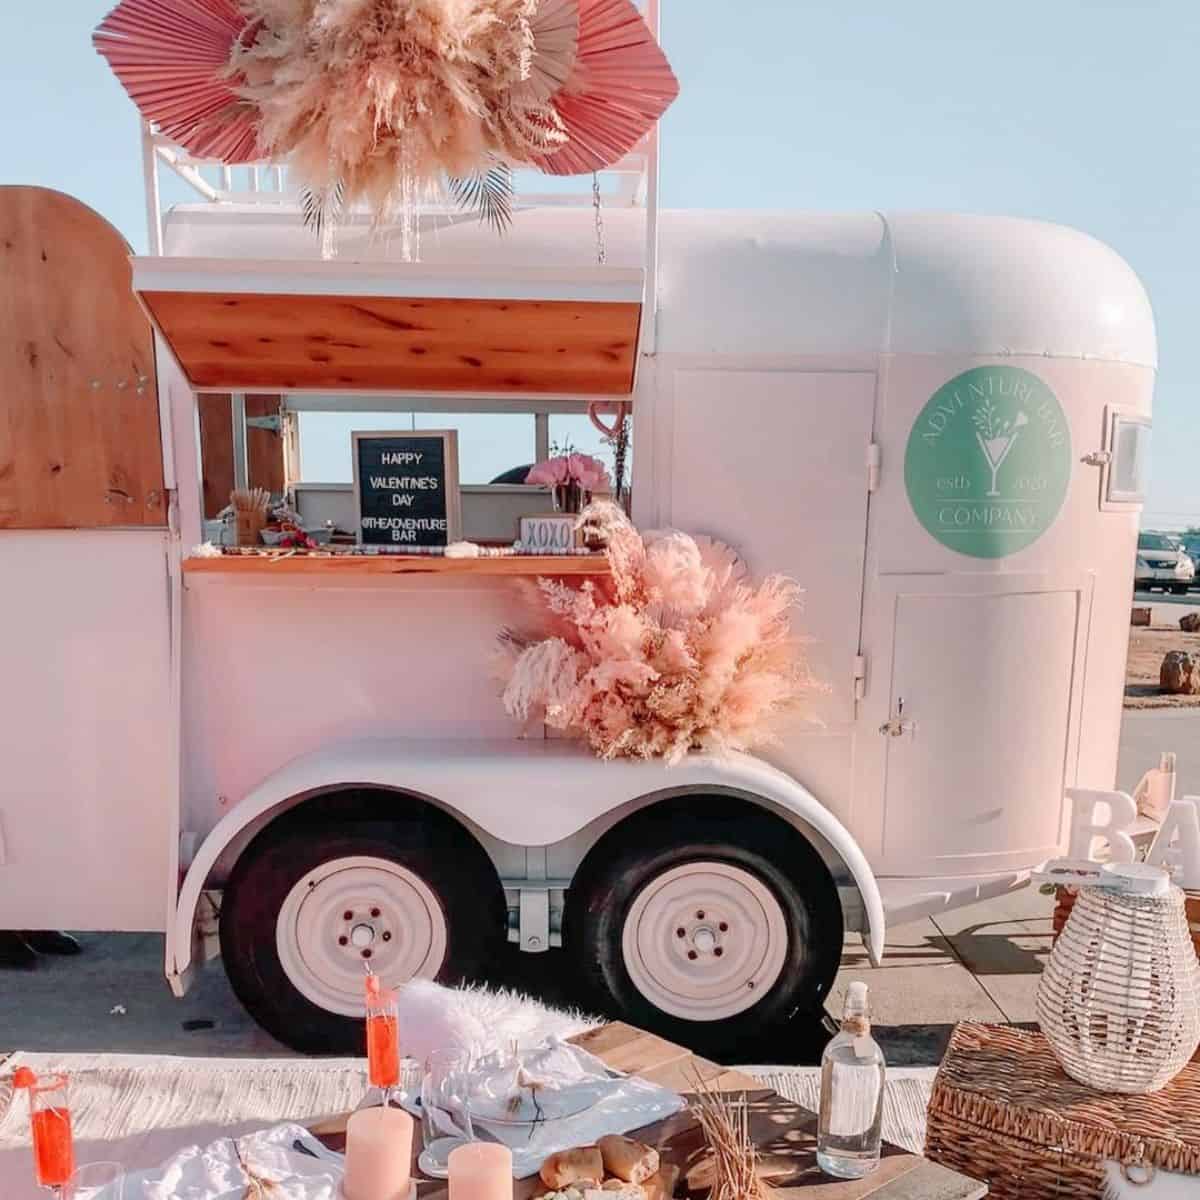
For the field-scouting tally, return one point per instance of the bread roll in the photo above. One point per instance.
(626, 1191)
(626, 1159)
(572, 1167)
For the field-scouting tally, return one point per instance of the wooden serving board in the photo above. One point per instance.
(785, 1133)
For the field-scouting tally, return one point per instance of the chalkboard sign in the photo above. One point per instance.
(406, 488)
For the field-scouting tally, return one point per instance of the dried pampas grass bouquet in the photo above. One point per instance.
(678, 651)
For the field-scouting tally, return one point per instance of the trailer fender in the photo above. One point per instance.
(525, 793)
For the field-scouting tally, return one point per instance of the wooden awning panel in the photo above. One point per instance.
(244, 341)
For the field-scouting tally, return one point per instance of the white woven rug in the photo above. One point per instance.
(140, 1109)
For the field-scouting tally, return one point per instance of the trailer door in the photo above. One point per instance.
(974, 777)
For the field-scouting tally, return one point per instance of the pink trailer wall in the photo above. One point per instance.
(85, 797)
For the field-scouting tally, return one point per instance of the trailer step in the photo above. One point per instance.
(906, 899)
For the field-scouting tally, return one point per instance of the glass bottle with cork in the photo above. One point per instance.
(852, 1078)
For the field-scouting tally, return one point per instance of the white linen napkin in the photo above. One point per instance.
(613, 1103)
(218, 1171)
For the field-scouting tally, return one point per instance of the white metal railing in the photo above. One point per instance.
(269, 185)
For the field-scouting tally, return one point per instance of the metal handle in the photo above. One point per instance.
(897, 726)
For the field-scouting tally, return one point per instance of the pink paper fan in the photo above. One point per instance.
(170, 57)
(620, 84)
(555, 29)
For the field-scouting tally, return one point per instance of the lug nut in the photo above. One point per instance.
(366, 954)
(693, 955)
(347, 915)
(681, 932)
(723, 927)
(700, 915)
(717, 952)
(375, 912)
(387, 935)
(343, 940)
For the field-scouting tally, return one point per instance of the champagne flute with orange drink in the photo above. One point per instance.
(50, 1125)
(383, 1037)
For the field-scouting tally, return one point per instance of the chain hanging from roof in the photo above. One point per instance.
(601, 249)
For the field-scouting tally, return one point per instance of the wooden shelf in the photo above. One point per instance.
(355, 565)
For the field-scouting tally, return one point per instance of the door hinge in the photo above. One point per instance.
(874, 457)
(860, 676)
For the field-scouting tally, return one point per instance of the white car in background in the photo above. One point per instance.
(1163, 563)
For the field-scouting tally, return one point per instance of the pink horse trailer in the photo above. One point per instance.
(935, 423)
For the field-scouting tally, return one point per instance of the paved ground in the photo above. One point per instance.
(1191, 600)
(977, 963)
(1148, 645)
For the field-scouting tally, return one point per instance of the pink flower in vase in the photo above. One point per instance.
(552, 472)
(589, 473)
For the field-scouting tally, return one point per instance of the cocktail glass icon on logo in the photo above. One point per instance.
(996, 437)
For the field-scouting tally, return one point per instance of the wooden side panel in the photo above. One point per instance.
(244, 342)
(79, 427)
(264, 448)
(216, 450)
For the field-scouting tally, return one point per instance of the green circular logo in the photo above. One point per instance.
(989, 461)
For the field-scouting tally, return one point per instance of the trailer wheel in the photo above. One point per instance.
(309, 906)
(707, 929)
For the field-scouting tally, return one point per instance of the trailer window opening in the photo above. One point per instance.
(299, 448)
(1130, 460)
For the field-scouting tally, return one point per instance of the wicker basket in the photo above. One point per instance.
(1004, 1112)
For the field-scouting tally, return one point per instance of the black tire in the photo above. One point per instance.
(429, 844)
(1179, 589)
(634, 854)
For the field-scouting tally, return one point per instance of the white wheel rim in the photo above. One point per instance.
(349, 912)
(704, 941)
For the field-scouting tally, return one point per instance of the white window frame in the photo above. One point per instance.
(1117, 501)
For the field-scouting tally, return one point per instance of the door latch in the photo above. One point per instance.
(897, 726)
(1097, 458)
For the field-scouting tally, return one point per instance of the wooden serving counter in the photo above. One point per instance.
(345, 566)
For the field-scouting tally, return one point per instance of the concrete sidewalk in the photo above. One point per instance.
(973, 964)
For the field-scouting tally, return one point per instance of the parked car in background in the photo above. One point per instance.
(1191, 547)
(1163, 563)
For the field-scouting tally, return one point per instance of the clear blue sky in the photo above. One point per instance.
(1085, 112)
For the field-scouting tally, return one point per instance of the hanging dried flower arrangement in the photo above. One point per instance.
(678, 651)
(391, 102)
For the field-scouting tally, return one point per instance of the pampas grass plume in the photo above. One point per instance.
(677, 651)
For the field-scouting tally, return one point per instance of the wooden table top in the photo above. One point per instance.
(786, 1133)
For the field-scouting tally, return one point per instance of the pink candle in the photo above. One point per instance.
(481, 1171)
(378, 1155)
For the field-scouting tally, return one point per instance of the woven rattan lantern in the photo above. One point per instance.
(1119, 1000)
